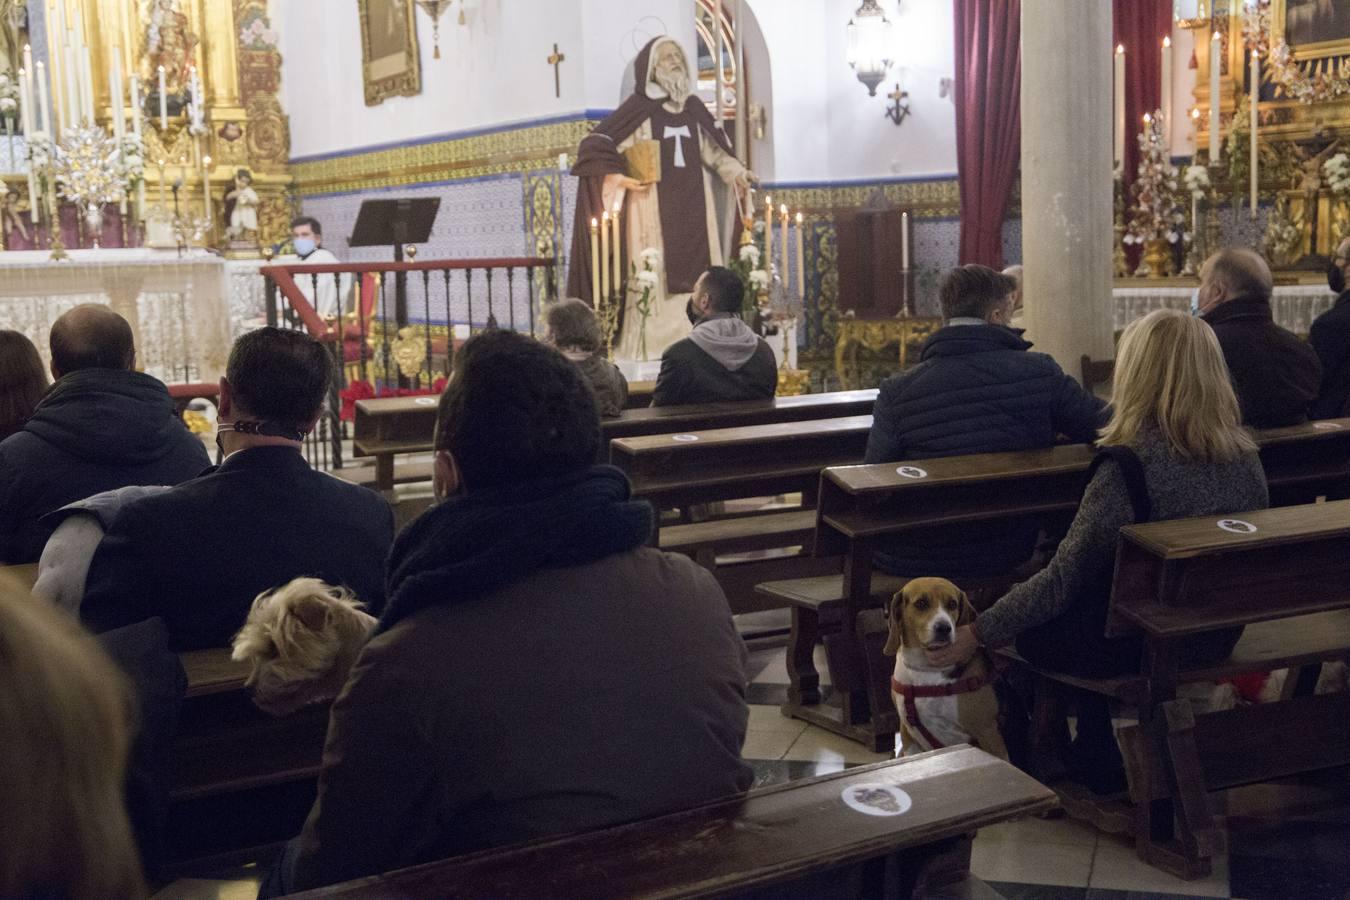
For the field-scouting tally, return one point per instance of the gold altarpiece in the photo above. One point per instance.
(1295, 137)
(240, 71)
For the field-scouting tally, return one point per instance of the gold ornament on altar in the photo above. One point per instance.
(409, 350)
(87, 167)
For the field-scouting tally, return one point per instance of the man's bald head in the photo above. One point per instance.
(91, 337)
(1237, 272)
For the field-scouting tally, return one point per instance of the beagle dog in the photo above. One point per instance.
(939, 707)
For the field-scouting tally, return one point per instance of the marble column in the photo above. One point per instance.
(1066, 178)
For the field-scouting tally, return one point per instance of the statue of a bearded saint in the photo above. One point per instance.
(677, 215)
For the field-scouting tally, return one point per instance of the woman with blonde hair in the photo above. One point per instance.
(1173, 448)
(64, 738)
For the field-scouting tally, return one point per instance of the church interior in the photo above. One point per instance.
(671, 448)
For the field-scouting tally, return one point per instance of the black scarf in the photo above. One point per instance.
(472, 545)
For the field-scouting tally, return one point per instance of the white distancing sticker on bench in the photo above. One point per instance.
(684, 438)
(1237, 526)
(1328, 426)
(877, 799)
(425, 401)
(911, 472)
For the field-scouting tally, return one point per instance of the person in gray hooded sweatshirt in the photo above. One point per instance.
(722, 359)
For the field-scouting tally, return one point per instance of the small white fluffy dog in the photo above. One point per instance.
(302, 639)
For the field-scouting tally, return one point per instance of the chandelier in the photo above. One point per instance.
(869, 45)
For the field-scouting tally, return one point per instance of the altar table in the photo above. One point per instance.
(178, 306)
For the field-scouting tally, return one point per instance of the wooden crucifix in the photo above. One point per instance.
(555, 60)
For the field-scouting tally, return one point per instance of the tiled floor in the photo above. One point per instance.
(1287, 841)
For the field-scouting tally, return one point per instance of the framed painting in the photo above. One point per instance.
(390, 64)
(1314, 29)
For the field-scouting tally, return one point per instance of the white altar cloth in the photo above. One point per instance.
(178, 306)
(1295, 306)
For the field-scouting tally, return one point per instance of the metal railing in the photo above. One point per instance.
(400, 322)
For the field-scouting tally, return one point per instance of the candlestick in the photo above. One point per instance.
(604, 254)
(1167, 92)
(1255, 108)
(618, 250)
(801, 257)
(596, 296)
(206, 191)
(1120, 105)
(783, 237)
(163, 101)
(1215, 46)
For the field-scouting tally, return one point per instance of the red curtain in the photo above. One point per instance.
(988, 121)
(1140, 26)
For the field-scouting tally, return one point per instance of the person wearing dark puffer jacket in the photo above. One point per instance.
(976, 389)
(722, 359)
(101, 426)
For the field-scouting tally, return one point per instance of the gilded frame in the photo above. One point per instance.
(1320, 50)
(391, 74)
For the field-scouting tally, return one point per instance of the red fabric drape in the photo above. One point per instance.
(988, 121)
(1141, 25)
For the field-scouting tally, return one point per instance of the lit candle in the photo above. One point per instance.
(27, 58)
(163, 186)
(26, 115)
(136, 130)
(562, 162)
(604, 254)
(1167, 92)
(1215, 46)
(163, 101)
(55, 50)
(115, 102)
(1255, 107)
(44, 102)
(783, 237)
(801, 256)
(618, 249)
(70, 83)
(904, 241)
(87, 84)
(768, 237)
(1120, 105)
(595, 264)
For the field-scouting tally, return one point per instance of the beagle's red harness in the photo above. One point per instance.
(912, 692)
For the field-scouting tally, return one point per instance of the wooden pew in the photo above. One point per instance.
(676, 471)
(1282, 573)
(860, 505)
(388, 427)
(640, 394)
(793, 839)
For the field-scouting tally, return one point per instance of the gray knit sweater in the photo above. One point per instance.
(1178, 489)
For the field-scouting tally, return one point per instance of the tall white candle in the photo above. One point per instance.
(135, 105)
(27, 58)
(1256, 104)
(1215, 64)
(1167, 92)
(904, 241)
(115, 100)
(801, 256)
(70, 82)
(206, 188)
(26, 116)
(163, 101)
(1120, 105)
(44, 102)
(87, 83)
(56, 56)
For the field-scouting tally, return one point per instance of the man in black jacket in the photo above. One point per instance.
(102, 426)
(1276, 376)
(722, 359)
(197, 555)
(1330, 338)
(976, 389)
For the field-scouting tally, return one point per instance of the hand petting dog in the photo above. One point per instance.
(963, 646)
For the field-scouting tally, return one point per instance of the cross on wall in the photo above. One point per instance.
(555, 60)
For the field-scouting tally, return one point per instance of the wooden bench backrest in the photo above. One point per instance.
(1187, 576)
(1301, 462)
(406, 424)
(766, 838)
(728, 463)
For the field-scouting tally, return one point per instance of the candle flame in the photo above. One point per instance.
(1120, 49)
(1195, 112)
(605, 217)
(206, 160)
(618, 207)
(1216, 36)
(595, 223)
(1147, 118)
(161, 68)
(1167, 41)
(799, 218)
(783, 209)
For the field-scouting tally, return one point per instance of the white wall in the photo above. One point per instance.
(826, 126)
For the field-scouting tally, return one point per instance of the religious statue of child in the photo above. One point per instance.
(241, 208)
(676, 214)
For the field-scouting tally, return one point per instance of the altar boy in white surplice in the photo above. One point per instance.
(677, 215)
(307, 239)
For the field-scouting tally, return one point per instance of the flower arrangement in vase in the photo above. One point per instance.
(644, 284)
(1336, 170)
(1156, 221)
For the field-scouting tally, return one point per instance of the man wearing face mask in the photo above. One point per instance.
(307, 239)
(1275, 375)
(197, 555)
(722, 359)
(1330, 337)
